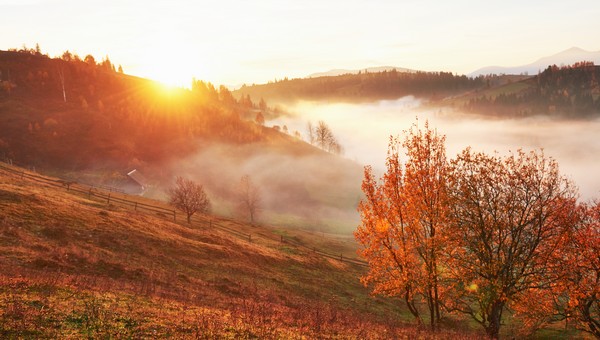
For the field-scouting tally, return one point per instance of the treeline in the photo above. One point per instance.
(365, 86)
(76, 113)
(569, 90)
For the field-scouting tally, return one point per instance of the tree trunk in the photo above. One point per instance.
(494, 319)
(437, 301)
(412, 308)
(430, 304)
(593, 325)
(436, 296)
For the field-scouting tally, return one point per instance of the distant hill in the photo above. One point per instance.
(362, 87)
(567, 91)
(567, 57)
(339, 72)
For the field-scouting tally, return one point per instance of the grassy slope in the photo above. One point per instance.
(514, 86)
(76, 267)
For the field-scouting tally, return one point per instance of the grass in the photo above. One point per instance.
(506, 89)
(76, 267)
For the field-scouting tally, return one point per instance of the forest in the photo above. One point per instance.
(73, 113)
(569, 91)
(365, 86)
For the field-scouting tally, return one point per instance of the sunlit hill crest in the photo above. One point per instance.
(98, 124)
(70, 98)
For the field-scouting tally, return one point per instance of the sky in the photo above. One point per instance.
(233, 42)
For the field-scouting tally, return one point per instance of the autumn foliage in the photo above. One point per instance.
(480, 235)
(403, 221)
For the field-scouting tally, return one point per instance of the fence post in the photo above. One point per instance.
(249, 238)
(341, 257)
(108, 199)
(135, 206)
(90, 193)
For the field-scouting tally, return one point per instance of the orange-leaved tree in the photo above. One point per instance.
(509, 215)
(403, 222)
(581, 286)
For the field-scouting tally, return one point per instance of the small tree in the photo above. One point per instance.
(249, 199)
(259, 119)
(322, 136)
(189, 197)
(311, 133)
(262, 104)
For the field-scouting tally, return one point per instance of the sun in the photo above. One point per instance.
(167, 67)
(170, 77)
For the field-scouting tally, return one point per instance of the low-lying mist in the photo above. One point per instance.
(305, 187)
(302, 187)
(364, 130)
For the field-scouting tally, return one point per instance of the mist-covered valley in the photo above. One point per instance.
(320, 191)
(309, 189)
(364, 131)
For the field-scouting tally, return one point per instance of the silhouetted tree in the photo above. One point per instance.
(90, 60)
(188, 197)
(262, 104)
(67, 56)
(249, 198)
(325, 139)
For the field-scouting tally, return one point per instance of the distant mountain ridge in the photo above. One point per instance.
(339, 72)
(566, 57)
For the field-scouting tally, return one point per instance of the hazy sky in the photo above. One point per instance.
(233, 42)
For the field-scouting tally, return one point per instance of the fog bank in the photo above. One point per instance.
(301, 187)
(364, 130)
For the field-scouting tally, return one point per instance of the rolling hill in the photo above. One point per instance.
(570, 92)
(75, 266)
(339, 72)
(85, 121)
(363, 87)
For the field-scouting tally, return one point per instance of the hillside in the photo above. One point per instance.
(70, 113)
(74, 266)
(339, 72)
(568, 91)
(363, 87)
(84, 120)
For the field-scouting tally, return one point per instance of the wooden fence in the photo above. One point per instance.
(111, 196)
